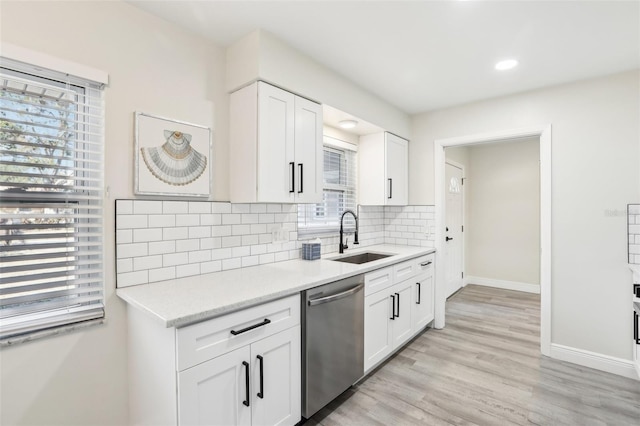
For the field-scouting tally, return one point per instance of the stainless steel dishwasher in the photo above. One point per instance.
(332, 341)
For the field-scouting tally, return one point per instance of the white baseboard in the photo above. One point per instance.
(609, 364)
(507, 285)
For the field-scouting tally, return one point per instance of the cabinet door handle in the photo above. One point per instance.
(251, 327)
(419, 298)
(393, 307)
(246, 382)
(293, 177)
(390, 188)
(301, 178)
(426, 264)
(635, 328)
(261, 393)
(398, 301)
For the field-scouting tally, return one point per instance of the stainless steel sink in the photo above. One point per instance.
(361, 258)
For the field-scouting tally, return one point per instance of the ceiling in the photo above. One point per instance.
(426, 55)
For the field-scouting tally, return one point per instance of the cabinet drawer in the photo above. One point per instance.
(378, 280)
(205, 340)
(405, 270)
(425, 263)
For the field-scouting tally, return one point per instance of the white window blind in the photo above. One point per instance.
(338, 195)
(51, 180)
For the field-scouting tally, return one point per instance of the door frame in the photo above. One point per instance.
(544, 133)
(464, 195)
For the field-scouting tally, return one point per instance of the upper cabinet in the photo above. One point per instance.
(383, 170)
(276, 146)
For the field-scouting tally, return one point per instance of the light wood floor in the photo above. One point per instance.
(484, 368)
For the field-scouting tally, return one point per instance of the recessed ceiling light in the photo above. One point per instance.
(507, 64)
(348, 124)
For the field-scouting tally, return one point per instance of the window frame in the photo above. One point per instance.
(81, 198)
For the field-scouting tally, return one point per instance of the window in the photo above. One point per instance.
(339, 191)
(51, 180)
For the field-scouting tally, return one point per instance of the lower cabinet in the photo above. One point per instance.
(241, 368)
(394, 314)
(258, 384)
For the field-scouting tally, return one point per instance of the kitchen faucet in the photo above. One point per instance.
(355, 241)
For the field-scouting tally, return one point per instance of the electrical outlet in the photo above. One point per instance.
(279, 235)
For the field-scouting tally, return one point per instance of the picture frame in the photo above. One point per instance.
(172, 157)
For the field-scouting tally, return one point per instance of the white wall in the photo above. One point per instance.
(595, 151)
(81, 377)
(290, 69)
(502, 189)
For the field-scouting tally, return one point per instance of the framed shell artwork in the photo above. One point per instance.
(171, 157)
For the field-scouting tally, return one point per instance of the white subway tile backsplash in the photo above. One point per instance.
(233, 263)
(146, 235)
(162, 220)
(147, 262)
(129, 221)
(162, 247)
(124, 236)
(187, 219)
(131, 250)
(234, 241)
(187, 245)
(220, 207)
(175, 233)
(209, 267)
(196, 232)
(175, 207)
(199, 207)
(147, 207)
(633, 220)
(162, 274)
(231, 219)
(221, 253)
(133, 278)
(174, 259)
(187, 270)
(171, 239)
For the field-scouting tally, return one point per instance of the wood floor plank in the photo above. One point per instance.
(484, 368)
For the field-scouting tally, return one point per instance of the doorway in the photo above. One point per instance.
(542, 132)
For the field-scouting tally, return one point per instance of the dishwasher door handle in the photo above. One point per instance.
(341, 295)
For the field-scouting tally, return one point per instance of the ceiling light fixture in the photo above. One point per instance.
(348, 124)
(507, 64)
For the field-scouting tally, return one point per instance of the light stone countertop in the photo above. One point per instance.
(636, 272)
(183, 301)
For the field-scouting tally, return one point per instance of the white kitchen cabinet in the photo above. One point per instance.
(217, 392)
(423, 293)
(398, 303)
(383, 170)
(209, 373)
(378, 332)
(276, 146)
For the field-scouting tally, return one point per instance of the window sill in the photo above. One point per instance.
(36, 335)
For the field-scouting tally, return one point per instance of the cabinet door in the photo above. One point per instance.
(276, 151)
(214, 392)
(276, 381)
(402, 325)
(397, 167)
(308, 151)
(423, 300)
(377, 328)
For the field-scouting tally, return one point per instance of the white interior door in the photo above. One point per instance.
(453, 222)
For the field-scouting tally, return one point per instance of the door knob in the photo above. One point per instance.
(449, 238)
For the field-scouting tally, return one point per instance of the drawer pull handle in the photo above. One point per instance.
(261, 393)
(251, 327)
(246, 382)
(426, 264)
